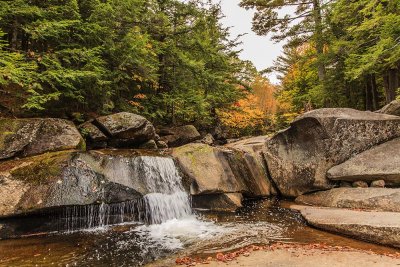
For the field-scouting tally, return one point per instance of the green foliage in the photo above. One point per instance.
(167, 59)
(351, 58)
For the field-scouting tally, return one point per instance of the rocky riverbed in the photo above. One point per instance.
(118, 170)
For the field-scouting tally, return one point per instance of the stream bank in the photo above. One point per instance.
(126, 201)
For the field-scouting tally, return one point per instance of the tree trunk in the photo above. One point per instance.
(368, 93)
(391, 82)
(14, 35)
(319, 39)
(374, 92)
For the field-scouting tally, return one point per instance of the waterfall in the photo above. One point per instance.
(165, 197)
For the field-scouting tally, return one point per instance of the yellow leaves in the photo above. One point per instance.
(252, 113)
(136, 104)
(140, 96)
(137, 77)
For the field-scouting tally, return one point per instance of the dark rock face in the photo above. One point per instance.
(299, 157)
(178, 136)
(95, 137)
(27, 137)
(59, 179)
(381, 162)
(379, 199)
(126, 129)
(228, 202)
(393, 108)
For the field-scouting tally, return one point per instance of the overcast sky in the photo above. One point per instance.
(258, 49)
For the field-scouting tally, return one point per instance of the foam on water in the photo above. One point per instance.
(175, 234)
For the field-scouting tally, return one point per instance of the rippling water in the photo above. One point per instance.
(133, 244)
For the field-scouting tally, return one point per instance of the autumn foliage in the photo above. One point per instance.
(253, 114)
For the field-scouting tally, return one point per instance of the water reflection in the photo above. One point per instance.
(260, 222)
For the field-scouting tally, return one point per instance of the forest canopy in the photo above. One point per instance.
(169, 60)
(338, 53)
(174, 62)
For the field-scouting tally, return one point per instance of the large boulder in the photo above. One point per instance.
(393, 108)
(55, 180)
(252, 149)
(126, 129)
(381, 162)
(216, 170)
(299, 157)
(379, 199)
(178, 136)
(377, 227)
(208, 168)
(27, 137)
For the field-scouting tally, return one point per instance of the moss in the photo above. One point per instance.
(82, 145)
(8, 127)
(40, 169)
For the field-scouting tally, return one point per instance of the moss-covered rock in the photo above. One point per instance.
(67, 178)
(217, 170)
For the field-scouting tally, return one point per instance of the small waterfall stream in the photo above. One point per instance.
(166, 198)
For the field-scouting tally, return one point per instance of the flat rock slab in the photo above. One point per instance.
(308, 258)
(376, 227)
(381, 162)
(378, 199)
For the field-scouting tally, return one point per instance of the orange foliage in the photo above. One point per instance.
(251, 113)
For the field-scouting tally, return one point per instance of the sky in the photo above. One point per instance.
(258, 49)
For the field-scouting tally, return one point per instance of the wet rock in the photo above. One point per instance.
(53, 180)
(377, 227)
(149, 145)
(299, 157)
(379, 162)
(378, 183)
(178, 136)
(360, 184)
(221, 170)
(229, 202)
(393, 108)
(380, 199)
(126, 129)
(27, 137)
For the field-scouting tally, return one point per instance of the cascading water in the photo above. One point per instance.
(165, 197)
